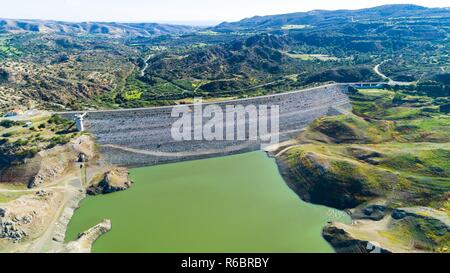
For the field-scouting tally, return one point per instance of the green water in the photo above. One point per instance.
(231, 204)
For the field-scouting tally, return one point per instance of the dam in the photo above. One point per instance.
(142, 137)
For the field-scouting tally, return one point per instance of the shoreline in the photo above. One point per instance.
(295, 197)
(356, 246)
(366, 233)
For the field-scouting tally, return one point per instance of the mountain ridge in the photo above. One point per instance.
(320, 17)
(266, 22)
(14, 26)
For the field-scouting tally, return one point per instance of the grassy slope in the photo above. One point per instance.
(19, 140)
(389, 148)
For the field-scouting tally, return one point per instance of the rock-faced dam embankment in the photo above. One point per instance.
(142, 137)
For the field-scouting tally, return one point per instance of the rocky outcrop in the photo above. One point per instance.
(17, 169)
(48, 165)
(425, 213)
(86, 239)
(9, 227)
(27, 215)
(343, 242)
(373, 212)
(430, 227)
(332, 181)
(10, 230)
(114, 180)
(404, 230)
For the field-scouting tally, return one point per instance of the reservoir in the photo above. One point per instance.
(231, 204)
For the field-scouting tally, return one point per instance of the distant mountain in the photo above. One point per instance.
(112, 29)
(317, 18)
(299, 20)
(74, 69)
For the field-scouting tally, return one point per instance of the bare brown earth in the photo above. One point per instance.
(36, 220)
(115, 180)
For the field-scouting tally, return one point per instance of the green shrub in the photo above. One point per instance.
(21, 142)
(398, 98)
(7, 123)
(58, 140)
(7, 135)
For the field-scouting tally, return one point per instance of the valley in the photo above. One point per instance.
(72, 68)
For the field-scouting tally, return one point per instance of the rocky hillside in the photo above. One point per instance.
(34, 152)
(46, 169)
(229, 66)
(58, 71)
(393, 150)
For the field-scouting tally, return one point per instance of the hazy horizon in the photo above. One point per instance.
(195, 12)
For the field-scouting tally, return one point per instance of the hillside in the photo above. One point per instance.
(55, 71)
(389, 155)
(325, 18)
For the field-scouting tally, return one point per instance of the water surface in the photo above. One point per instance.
(231, 204)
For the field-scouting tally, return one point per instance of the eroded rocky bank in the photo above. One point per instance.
(390, 173)
(36, 205)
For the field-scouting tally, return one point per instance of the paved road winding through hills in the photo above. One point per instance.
(384, 77)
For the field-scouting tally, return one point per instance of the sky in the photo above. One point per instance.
(178, 11)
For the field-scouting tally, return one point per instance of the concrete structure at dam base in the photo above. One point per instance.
(142, 137)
